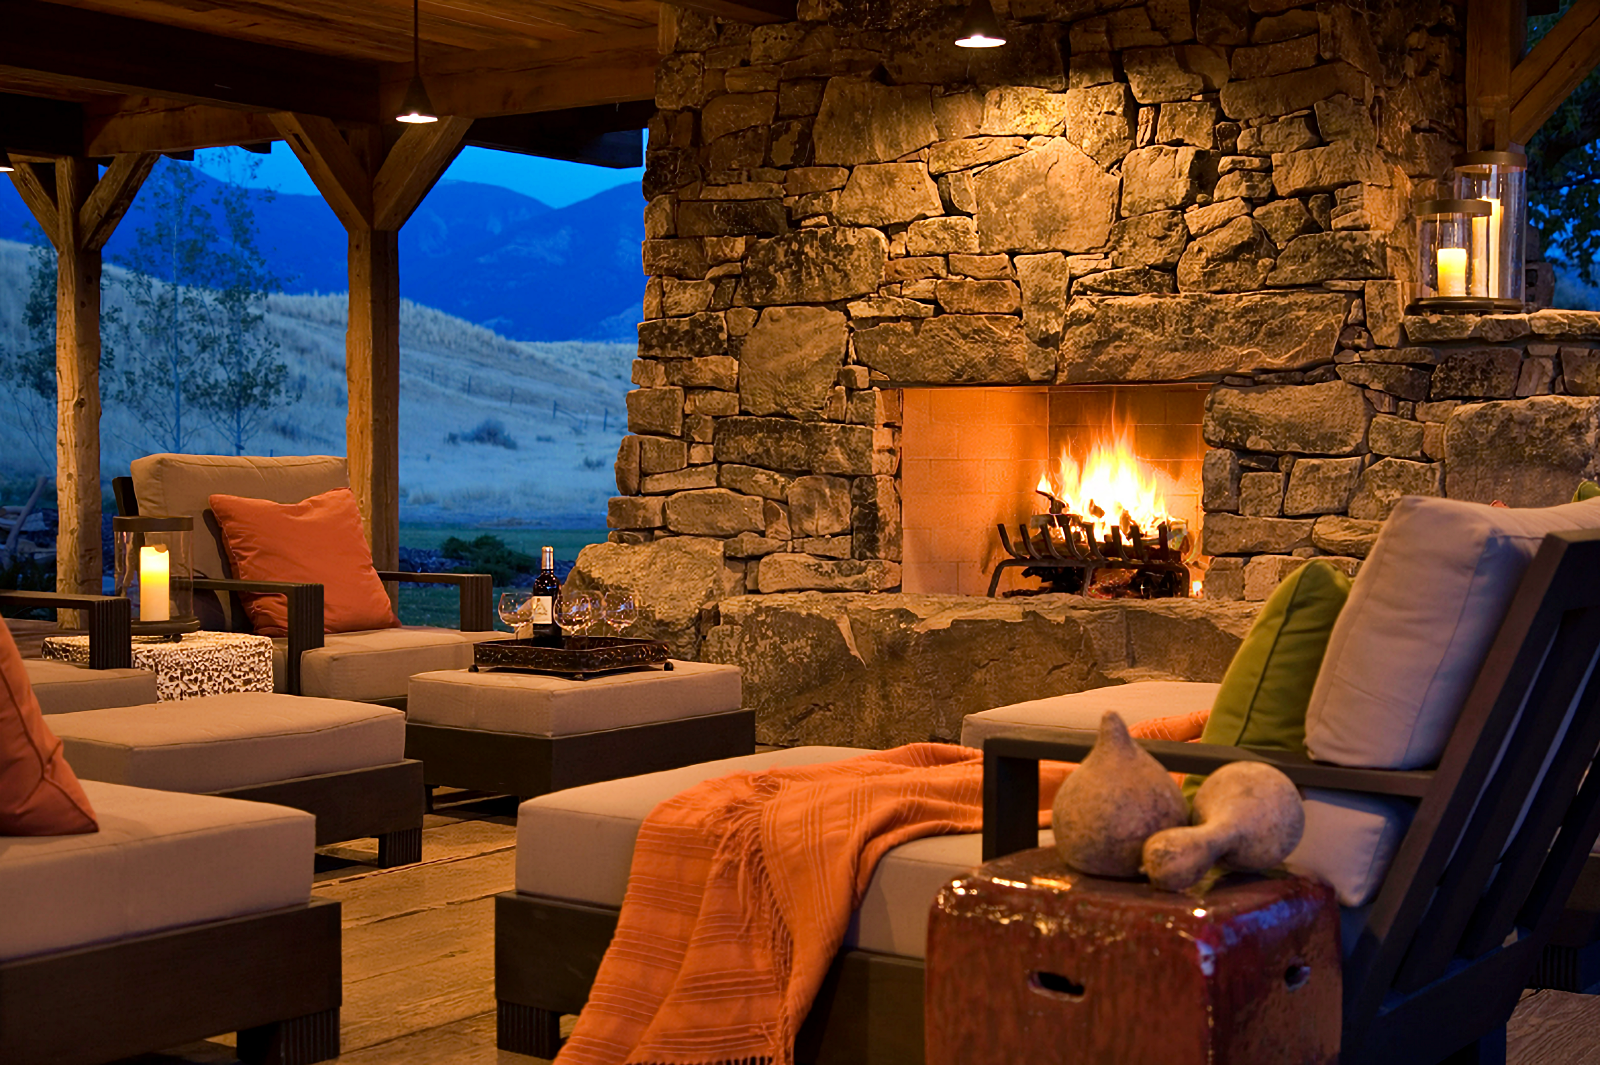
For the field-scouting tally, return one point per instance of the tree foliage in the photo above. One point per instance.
(1564, 174)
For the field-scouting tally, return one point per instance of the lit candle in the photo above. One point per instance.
(1494, 287)
(155, 592)
(1452, 271)
(1480, 255)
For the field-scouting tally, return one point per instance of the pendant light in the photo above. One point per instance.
(416, 107)
(980, 28)
(6, 166)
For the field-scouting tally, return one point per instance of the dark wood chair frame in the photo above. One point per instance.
(274, 978)
(305, 600)
(1452, 938)
(110, 619)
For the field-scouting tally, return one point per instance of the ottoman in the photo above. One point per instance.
(183, 917)
(527, 734)
(342, 761)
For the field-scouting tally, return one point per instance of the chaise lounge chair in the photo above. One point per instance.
(1434, 965)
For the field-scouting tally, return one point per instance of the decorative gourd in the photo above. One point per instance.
(1247, 816)
(1111, 803)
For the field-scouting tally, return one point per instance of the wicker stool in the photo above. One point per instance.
(1028, 961)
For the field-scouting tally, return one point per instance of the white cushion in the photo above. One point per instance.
(533, 704)
(63, 688)
(577, 844)
(220, 742)
(1421, 615)
(1349, 841)
(160, 860)
(1140, 701)
(376, 663)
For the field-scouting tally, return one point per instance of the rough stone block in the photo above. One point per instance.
(875, 517)
(1021, 110)
(710, 403)
(1219, 476)
(627, 465)
(1157, 178)
(1154, 239)
(863, 121)
(776, 517)
(1280, 57)
(661, 454)
(1292, 134)
(683, 480)
(655, 410)
(1126, 281)
(1055, 198)
(1580, 369)
(1285, 220)
(1398, 437)
(1261, 494)
(1537, 377)
(1162, 74)
(817, 265)
(1526, 453)
(819, 505)
(712, 512)
(634, 512)
(983, 267)
(1101, 121)
(1477, 373)
(683, 338)
(1350, 537)
(954, 348)
(1321, 419)
(942, 236)
(749, 545)
(734, 111)
(709, 371)
(1044, 279)
(1202, 220)
(1225, 579)
(1385, 303)
(1296, 91)
(790, 358)
(1317, 257)
(1321, 486)
(1243, 183)
(948, 156)
(1233, 534)
(1387, 480)
(1263, 574)
(1235, 258)
(784, 444)
(824, 546)
(1406, 382)
(978, 297)
(674, 578)
(1111, 339)
(1561, 323)
(754, 481)
(793, 572)
(883, 194)
(1327, 168)
(732, 218)
(1191, 122)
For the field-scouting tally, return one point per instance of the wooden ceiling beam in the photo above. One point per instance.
(36, 184)
(332, 165)
(594, 69)
(77, 48)
(1496, 35)
(112, 196)
(609, 135)
(1554, 69)
(412, 167)
(31, 125)
(144, 124)
(758, 12)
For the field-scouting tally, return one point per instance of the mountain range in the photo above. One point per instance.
(487, 254)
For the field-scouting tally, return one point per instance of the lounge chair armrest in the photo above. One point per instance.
(305, 615)
(477, 594)
(1011, 776)
(110, 620)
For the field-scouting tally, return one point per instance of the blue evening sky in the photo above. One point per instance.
(549, 181)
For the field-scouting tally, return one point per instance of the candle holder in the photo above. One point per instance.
(1499, 179)
(1446, 270)
(154, 569)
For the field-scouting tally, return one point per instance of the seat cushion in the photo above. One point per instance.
(39, 793)
(160, 860)
(63, 688)
(1140, 701)
(221, 742)
(1422, 613)
(317, 540)
(531, 704)
(577, 845)
(376, 664)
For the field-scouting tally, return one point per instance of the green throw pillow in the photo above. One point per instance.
(1586, 490)
(1264, 694)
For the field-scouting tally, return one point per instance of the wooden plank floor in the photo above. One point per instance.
(419, 957)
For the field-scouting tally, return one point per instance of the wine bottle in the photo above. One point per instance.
(542, 607)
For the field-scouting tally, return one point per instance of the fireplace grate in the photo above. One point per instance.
(1061, 549)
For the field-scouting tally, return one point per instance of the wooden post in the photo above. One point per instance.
(79, 211)
(1496, 36)
(373, 186)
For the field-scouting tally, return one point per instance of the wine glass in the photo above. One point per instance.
(576, 612)
(513, 607)
(622, 610)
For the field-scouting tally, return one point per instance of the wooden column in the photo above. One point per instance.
(373, 188)
(79, 211)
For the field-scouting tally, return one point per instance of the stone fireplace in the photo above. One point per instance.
(851, 223)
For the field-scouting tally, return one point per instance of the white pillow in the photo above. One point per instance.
(1349, 841)
(1423, 611)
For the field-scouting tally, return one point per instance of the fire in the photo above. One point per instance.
(1112, 488)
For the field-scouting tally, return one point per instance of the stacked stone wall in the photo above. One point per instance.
(1173, 190)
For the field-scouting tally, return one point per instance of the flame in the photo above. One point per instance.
(1113, 487)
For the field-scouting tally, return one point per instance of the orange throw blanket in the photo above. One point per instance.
(742, 888)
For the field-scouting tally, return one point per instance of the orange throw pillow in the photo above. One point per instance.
(39, 793)
(316, 541)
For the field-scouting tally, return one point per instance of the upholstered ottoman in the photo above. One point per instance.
(527, 734)
(63, 687)
(342, 761)
(574, 850)
(133, 938)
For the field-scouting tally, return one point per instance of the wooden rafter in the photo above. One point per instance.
(150, 124)
(412, 167)
(1496, 31)
(36, 184)
(112, 196)
(1554, 68)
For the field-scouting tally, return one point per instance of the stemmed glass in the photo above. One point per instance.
(513, 607)
(622, 610)
(577, 612)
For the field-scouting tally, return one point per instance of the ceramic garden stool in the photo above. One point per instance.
(1028, 961)
(527, 734)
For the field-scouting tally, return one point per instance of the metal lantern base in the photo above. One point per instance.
(171, 628)
(1464, 305)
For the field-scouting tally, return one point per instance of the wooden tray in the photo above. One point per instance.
(577, 657)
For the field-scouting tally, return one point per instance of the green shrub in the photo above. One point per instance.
(489, 554)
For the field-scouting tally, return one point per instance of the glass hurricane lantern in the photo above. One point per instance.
(1446, 269)
(154, 568)
(1500, 180)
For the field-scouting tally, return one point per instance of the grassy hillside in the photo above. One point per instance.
(561, 404)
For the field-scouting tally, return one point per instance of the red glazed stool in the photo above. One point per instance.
(1028, 961)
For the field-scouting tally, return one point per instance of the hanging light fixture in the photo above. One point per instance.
(416, 107)
(980, 28)
(6, 166)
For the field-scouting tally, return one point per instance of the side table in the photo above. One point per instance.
(199, 663)
(1029, 961)
(526, 734)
